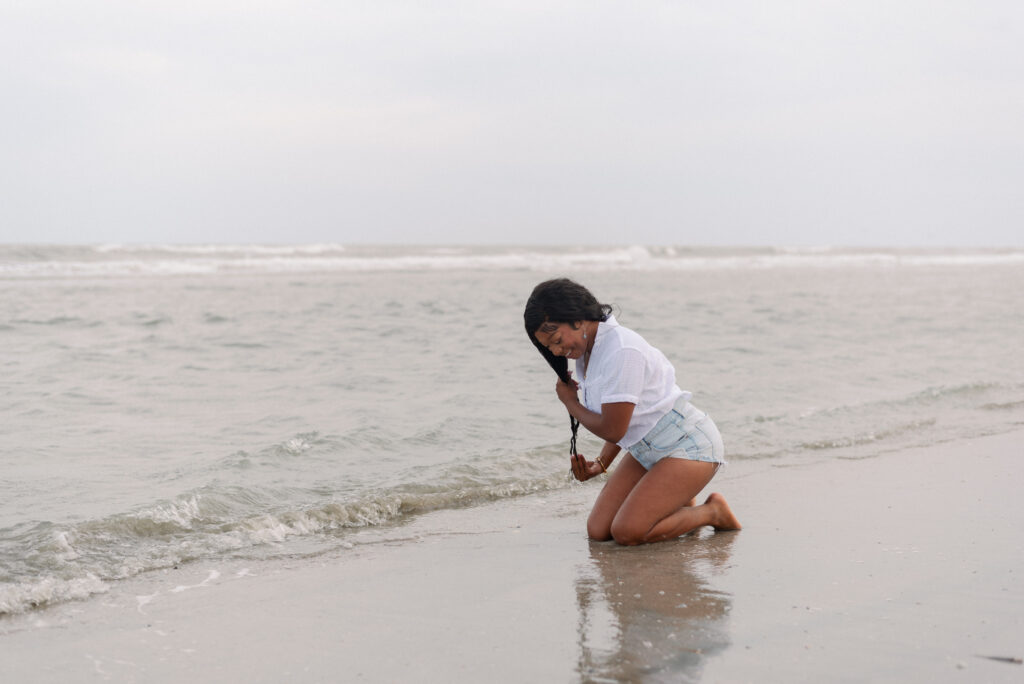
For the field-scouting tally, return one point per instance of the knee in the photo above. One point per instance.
(598, 530)
(626, 534)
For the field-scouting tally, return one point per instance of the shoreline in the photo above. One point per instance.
(900, 566)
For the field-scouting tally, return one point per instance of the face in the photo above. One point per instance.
(563, 339)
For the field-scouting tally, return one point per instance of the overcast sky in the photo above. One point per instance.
(625, 122)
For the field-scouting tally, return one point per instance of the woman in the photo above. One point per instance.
(630, 400)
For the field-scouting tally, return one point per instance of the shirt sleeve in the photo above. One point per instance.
(626, 377)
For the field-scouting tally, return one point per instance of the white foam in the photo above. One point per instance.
(170, 260)
(212, 577)
(296, 445)
(17, 598)
(144, 600)
(65, 552)
(182, 513)
(322, 248)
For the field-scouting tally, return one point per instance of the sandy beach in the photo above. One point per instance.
(903, 566)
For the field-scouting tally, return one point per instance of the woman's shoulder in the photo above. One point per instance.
(621, 337)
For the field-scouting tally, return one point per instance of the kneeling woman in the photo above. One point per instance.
(630, 400)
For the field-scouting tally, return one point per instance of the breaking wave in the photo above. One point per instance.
(74, 561)
(118, 260)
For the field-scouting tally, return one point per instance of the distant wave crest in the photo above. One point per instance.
(117, 260)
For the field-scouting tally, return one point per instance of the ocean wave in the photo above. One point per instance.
(243, 250)
(47, 590)
(968, 393)
(1014, 405)
(925, 416)
(861, 439)
(108, 261)
(58, 563)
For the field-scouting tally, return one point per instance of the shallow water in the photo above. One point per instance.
(165, 404)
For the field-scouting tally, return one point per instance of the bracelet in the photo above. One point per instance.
(603, 469)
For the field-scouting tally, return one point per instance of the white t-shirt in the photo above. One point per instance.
(625, 368)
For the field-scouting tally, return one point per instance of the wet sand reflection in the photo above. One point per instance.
(651, 613)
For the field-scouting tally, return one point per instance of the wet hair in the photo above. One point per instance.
(561, 301)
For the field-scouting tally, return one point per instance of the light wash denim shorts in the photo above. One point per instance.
(684, 432)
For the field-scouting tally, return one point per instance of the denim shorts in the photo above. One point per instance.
(684, 432)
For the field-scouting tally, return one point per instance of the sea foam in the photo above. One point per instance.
(108, 261)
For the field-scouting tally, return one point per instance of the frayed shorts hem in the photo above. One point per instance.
(685, 432)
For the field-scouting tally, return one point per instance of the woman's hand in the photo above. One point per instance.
(566, 391)
(610, 424)
(582, 469)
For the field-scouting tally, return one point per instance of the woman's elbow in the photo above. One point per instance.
(615, 423)
(615, 434)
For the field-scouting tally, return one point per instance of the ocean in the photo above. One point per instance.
(166, 405)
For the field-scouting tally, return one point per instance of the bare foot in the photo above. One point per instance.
(691, 502)
(724, 518)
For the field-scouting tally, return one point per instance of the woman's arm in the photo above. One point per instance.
(608, 454)
(610, 424)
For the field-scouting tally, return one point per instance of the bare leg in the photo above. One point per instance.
(657, 507)
(714, 512)
(620, 483)
(725, 519)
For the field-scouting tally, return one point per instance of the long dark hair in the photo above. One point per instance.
(561, 301)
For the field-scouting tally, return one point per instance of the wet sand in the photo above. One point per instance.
(903, 566)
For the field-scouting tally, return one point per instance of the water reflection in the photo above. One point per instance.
(650, 613)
